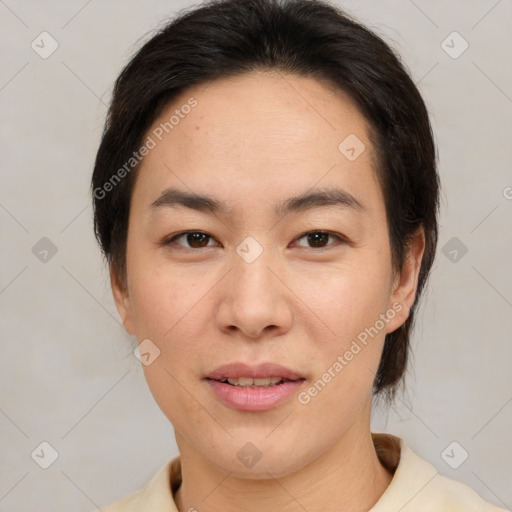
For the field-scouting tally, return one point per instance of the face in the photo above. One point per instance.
(284, 259)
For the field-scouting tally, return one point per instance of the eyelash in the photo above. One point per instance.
(172, 240)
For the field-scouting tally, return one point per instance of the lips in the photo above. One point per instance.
(261, 371)
(256, 388)
(249, 381)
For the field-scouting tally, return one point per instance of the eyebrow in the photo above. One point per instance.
(309, 200)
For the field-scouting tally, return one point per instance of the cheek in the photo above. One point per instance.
(168, 310)
(173, 308)
(346, 299)
(345, 328)
(163, 299)
(347, 355)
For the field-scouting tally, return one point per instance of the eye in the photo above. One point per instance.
(194, 239)
(200, 240)
(319, 239)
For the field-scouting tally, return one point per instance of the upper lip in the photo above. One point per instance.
(260, 371)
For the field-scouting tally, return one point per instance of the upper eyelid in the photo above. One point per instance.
(172, 238)
(339, 236)
(323, 231)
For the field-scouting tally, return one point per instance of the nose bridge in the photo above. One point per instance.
(253, 298)
(252, 278)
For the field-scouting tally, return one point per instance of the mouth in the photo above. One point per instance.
(253, 388)
(263, 374)
(250, 382)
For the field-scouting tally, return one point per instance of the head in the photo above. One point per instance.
(266, 190)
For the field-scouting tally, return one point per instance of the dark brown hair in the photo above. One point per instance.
(224, 38)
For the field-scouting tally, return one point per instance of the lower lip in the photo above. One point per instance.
(254, 399)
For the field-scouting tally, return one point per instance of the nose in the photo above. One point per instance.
(254, 303)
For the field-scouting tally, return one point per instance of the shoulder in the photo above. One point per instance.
(156, 495)
(129, 503)
(454, 496)
(417, 486)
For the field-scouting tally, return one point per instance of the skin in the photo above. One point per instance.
(251, 142)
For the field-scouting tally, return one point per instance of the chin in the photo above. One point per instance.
(260, 460)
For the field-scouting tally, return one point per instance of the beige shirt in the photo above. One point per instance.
(416, 486)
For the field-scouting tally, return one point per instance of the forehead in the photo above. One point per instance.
(257, 136)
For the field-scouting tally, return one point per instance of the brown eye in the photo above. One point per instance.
(191, 240)
(197, 239)
(318, 239)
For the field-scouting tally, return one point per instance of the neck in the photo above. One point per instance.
(349, 476)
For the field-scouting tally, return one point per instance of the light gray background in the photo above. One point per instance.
(67, 373)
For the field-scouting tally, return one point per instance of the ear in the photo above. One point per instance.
(122, 300)
(405, 283)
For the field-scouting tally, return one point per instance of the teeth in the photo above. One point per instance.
(246, 382)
